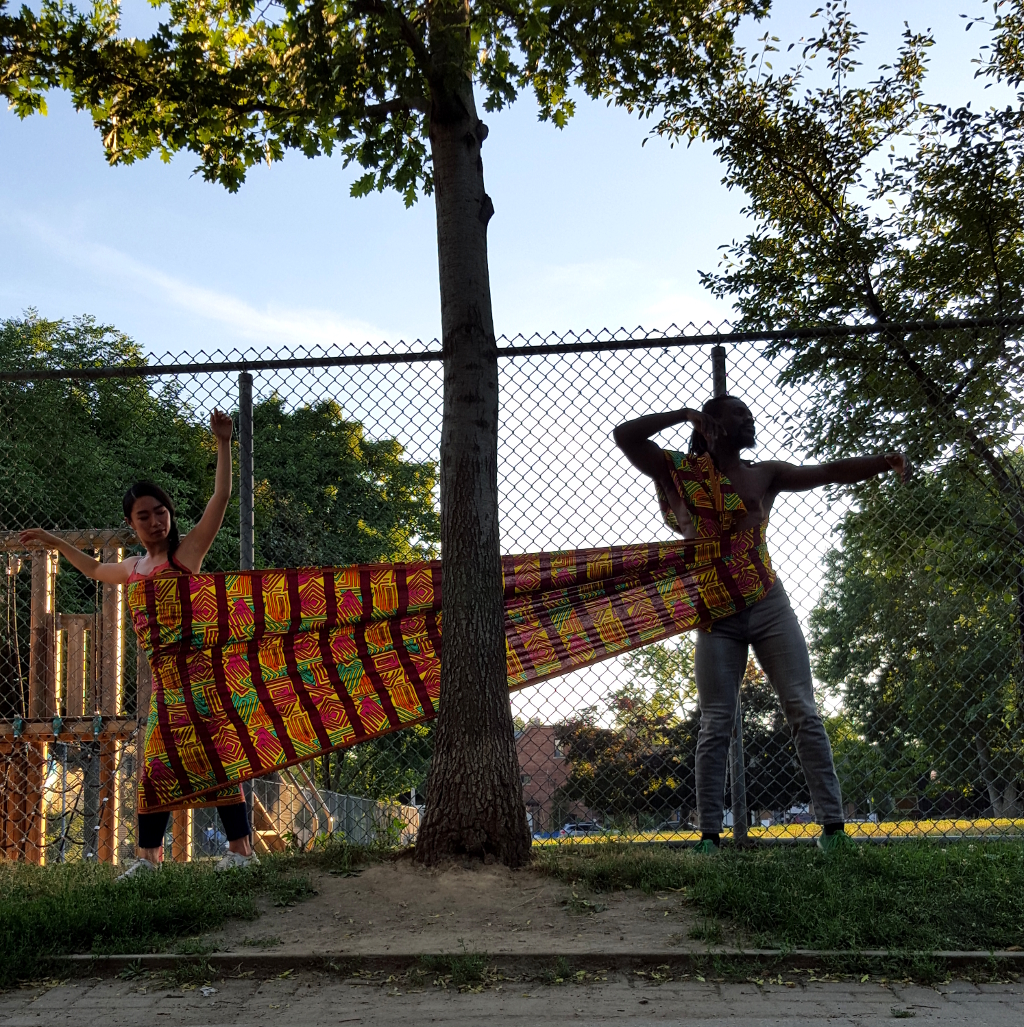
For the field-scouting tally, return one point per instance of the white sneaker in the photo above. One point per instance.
(236, 861)
(140, 866)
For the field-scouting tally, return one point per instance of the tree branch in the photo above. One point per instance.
(409, 33)
(399, 103)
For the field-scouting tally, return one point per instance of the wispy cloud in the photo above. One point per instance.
(616, 292)
(241, 319)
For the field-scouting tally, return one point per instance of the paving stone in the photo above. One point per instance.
(329, 1002)
(958, 988)
(918, 996)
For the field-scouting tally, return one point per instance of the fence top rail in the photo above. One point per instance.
(540, 349)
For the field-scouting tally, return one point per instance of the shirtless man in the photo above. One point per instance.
(723, 428)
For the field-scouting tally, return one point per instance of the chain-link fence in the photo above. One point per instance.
(910, 595)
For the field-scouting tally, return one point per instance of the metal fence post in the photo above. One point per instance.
(718, 385)
(246, 550)
(737, 766)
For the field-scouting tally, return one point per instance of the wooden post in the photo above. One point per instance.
(30, 823)
(181, 835)
(78, 626)
(42, 663)
(12, 801)
(111, 642)
(21, 803)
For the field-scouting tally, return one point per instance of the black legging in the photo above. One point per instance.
(153, 826)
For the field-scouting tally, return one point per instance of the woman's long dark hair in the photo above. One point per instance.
(148, 488)
(698, 443)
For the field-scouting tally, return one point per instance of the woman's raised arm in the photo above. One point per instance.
(196, 544)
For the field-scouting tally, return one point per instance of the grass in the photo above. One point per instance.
(460, 969)
(79, 908)
(907, 897)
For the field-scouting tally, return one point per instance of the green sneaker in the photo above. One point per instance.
(838, 842)
(705, 847)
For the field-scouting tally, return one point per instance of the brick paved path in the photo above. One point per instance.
(310, 1000)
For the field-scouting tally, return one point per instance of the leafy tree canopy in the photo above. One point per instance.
(237, 83)
(347, 500)
(916, 632)
(869, 203)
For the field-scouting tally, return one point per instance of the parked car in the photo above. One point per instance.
(669, 826)
(580, 829)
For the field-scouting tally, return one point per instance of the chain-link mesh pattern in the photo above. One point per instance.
(910, 597)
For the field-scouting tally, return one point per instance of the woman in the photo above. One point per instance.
(150, 513)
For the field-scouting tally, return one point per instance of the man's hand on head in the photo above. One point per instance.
(900, 464)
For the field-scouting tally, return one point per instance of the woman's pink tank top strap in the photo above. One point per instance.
(169, 566)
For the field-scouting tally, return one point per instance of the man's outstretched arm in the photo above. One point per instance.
(794, 478)
(634, 438)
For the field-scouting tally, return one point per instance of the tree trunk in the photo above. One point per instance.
(995, 798)
(475, 802)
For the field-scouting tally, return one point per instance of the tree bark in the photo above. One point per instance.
(987, 775)
(475, 805)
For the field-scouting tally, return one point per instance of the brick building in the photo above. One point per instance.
(543, 769)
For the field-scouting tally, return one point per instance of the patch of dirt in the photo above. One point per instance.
(403, 908)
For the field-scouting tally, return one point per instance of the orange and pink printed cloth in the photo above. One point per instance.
(254, 671)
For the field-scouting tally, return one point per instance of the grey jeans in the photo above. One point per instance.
(771, 627)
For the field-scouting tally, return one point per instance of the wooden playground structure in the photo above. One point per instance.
(74, 694)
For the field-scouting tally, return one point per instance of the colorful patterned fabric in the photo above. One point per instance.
(258, 670)
(714, 507)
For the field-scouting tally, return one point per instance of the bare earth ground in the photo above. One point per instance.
(314, 1000)
(401, 908)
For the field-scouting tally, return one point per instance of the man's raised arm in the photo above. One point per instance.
(634, 438)
(794, 478)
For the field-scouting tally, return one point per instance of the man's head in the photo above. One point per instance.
(728, 424)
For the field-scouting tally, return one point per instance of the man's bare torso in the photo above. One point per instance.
(752, 481)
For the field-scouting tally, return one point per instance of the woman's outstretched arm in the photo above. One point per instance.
(196, 544)
(113, 573)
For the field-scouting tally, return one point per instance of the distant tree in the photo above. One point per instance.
(386, 768)
(71, 448)
(639, 770)
(390, 84)
(327, 495)
(915, 630)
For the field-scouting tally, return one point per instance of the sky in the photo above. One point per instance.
(592, 229)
